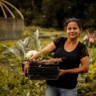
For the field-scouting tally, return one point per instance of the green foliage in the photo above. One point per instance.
(47, 13)
(92, 55)
(26, 34)
(13, 83)
(87, 82)
(46, 56)
(92, 73)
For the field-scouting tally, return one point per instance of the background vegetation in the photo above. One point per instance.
(52, 13)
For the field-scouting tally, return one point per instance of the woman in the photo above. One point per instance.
(72, 53)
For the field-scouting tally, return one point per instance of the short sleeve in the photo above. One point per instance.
(84, 52)
(57, 41)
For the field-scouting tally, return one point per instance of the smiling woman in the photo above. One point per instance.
(72, 30)
(73, 53)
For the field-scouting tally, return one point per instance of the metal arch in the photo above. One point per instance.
(8, 10)
(13, 7)
(3, 10)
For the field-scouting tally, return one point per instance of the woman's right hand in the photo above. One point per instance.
(26, 67)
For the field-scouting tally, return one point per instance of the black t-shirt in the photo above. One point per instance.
(70, 60)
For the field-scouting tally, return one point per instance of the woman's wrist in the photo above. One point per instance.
(27, 60)
(65, 71)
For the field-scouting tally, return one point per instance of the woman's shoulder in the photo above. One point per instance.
(59, 40)
(83, 50)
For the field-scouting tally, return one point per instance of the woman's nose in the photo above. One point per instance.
(72, 30)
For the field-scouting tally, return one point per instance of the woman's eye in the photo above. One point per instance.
(74, 28)
(69, 28)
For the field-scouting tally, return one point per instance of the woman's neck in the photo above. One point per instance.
(72, 41)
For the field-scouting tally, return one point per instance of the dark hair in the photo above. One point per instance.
(72, 20)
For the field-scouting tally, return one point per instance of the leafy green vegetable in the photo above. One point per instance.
(22, 47)
(46, 56)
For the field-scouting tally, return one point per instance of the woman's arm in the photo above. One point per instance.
(49, 48)
(83, 69)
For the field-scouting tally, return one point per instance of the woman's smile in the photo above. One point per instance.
(73, 30)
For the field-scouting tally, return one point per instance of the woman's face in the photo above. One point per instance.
(73, 30)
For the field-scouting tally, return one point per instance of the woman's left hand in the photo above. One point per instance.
(61, 72)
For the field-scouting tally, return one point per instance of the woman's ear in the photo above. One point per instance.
(65, 29)
(80, 30)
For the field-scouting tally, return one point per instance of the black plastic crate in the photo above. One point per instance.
(40, 71)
